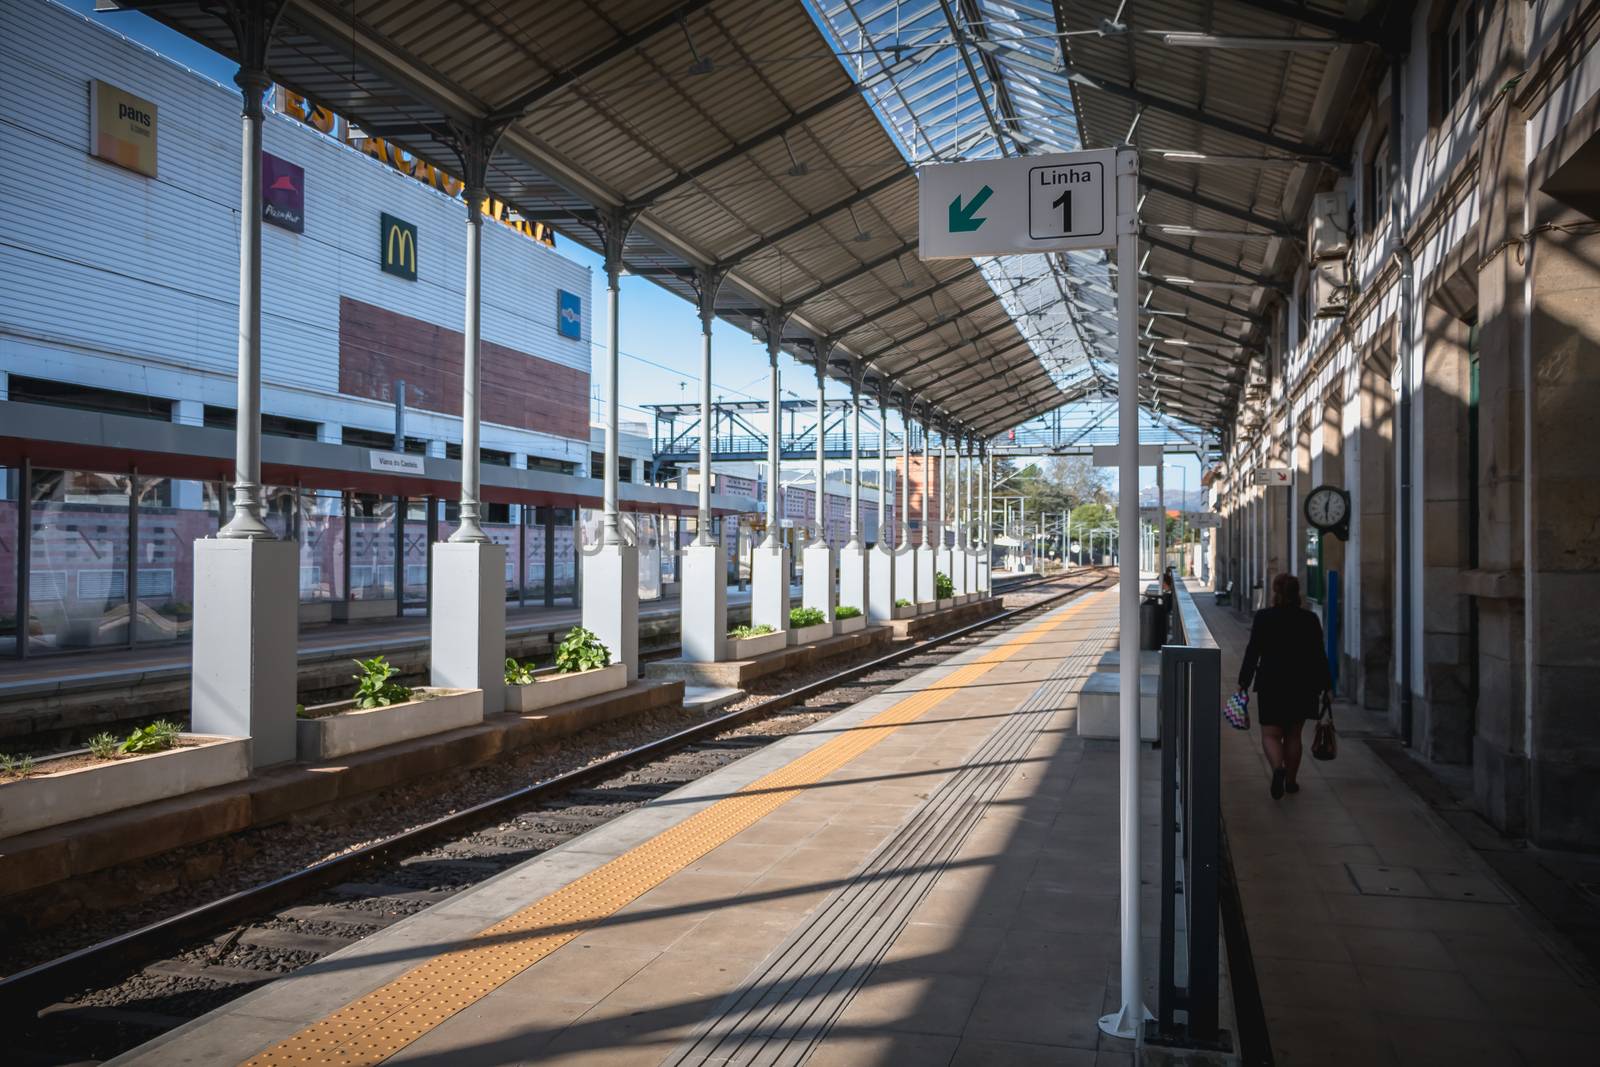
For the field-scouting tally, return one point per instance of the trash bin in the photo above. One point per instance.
(1152, 624)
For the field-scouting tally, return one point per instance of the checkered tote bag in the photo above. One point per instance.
(1237, 710)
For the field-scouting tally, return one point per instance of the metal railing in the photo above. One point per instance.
(1190, 703)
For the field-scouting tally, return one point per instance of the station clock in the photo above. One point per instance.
(1328, 509)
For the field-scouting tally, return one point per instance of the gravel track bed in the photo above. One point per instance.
(167, 884)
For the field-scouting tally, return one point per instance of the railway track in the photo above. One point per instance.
(101, 1000)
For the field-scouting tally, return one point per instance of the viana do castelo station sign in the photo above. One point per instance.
(995, 207)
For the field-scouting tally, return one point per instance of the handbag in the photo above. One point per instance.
(1325, 742)
(1236, 709)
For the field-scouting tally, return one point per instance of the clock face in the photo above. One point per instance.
(1326, 507)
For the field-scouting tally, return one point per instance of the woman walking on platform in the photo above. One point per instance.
(1285, 659)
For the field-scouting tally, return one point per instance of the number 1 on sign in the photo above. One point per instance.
(1064, 202)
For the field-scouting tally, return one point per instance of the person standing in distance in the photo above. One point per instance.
(1286, 661)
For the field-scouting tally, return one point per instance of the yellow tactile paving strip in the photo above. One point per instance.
(386, 1020)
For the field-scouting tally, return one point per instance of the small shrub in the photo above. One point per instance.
(902, 602)
(157, 737)
(103, 746)
(845, 611)
(943, 587)
(16, 766)
(518, 673)
(373, 686)
(800, 617)
(739, 633)
(581, 650)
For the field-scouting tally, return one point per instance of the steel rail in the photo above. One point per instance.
(24, 993)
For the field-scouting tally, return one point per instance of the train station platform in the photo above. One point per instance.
(1378, 932)
(928, 876)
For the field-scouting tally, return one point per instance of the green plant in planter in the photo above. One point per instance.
(518, 673)
(157, 737)
(943, 587)
(581, 650)
(103, 746)
(374, 689)
(845, 611)
(902, 602)
(802, 617)
(19, 766)
(739, 633)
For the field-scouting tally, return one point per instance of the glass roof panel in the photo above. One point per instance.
(980, 88)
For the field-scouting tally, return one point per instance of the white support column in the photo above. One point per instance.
(1161, 514)
(946, 561)
(854, 565)
(926, 563)
(246, 582)
(881, 571)
(468, 614)
(611, 569)
(703, 613)
(958, 554)
(969, 531)
(905, 559)
(1129, 1019)
(818, 587)
(986, 506)
(769, 577)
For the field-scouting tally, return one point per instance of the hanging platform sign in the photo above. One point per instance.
(995, 207)
(1271, 476)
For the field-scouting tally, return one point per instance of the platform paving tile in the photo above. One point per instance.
(662, 963)
(1379, 935)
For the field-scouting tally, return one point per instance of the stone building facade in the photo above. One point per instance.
(1445, 372)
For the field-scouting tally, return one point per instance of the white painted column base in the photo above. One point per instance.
(970, 568)
(610, 575)
(769, 586)
(703, 621)
(468, 620)
(818, 589)
(905, 574)
(246, 626)
(958, 571)
(984, 579)
(925, 569)
(881, 572)
(854, 568)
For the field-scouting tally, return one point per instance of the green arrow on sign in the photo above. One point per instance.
(961, 220)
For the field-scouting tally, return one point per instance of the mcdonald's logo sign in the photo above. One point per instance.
(397, 247)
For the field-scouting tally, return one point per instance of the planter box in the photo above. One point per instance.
(904, 611)
(850, 626)
(47, 799)
(550, 688)
(347, 730)
(947, 603)
(750, 647)
(927, 607)
(805, 635)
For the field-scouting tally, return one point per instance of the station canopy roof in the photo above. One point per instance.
(1240, 111)
(774, 144)
(732, 134)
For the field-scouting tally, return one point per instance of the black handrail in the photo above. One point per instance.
(1190, 699)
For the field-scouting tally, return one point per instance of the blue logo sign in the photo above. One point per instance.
(569, 314)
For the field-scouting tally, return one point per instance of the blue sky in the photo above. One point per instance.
(660, 333)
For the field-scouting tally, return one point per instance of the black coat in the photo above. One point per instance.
(1286, 657)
